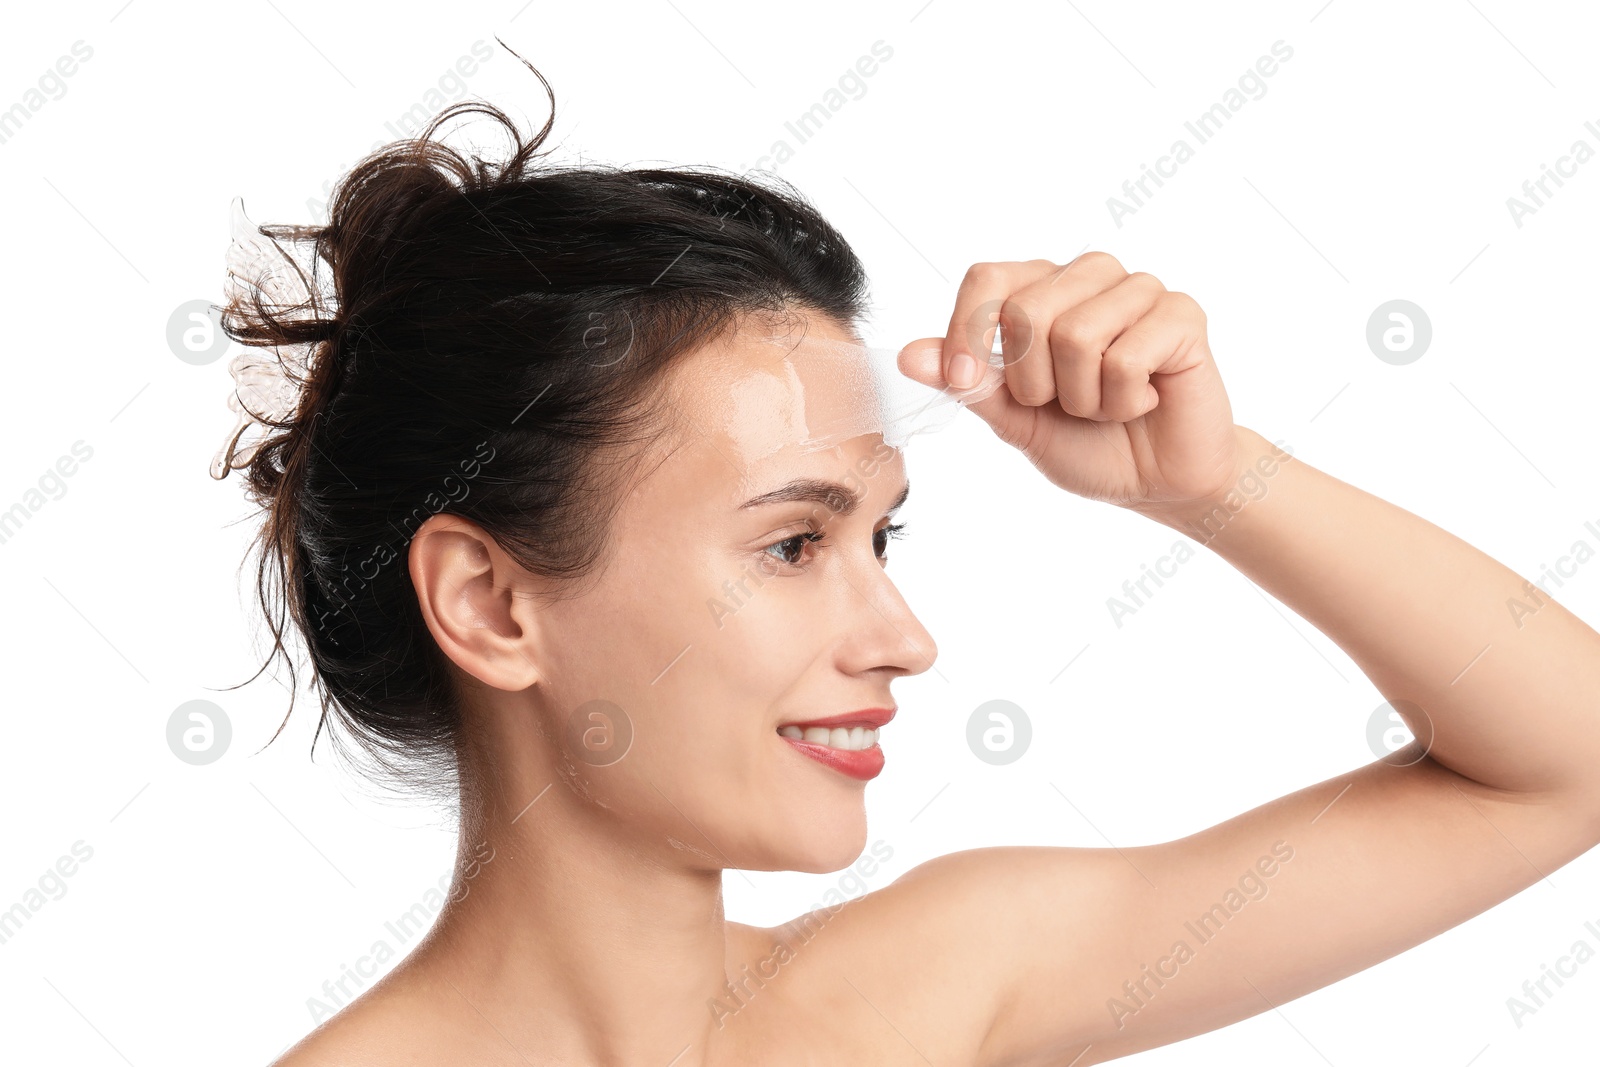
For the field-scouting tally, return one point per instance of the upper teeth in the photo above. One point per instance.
(853, 739)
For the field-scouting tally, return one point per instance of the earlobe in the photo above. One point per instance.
(465, 589)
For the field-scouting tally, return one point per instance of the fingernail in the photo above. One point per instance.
(963, 371)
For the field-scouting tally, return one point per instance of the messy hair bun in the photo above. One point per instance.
(494, 330)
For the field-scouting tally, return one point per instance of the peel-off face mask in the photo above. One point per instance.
(820, 392)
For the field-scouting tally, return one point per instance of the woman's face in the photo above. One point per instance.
(716, 621)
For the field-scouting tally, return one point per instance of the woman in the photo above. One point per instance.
(551, 415)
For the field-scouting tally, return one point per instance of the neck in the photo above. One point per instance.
(576, 940)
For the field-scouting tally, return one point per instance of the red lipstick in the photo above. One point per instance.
(860, 764)
(869, 718)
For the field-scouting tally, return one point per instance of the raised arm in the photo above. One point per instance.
(1498, 681)
(1083, 955)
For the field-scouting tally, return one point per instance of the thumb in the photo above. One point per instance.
(922, 361)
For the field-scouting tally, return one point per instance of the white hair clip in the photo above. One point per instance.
(258, 264)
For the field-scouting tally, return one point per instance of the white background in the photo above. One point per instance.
(1376, 166)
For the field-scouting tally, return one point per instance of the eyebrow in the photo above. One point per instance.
(835, 496)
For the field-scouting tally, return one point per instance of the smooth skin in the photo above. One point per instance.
(596, 933)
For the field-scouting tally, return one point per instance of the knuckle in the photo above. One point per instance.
(1019, 313)
(1020, 320)
(984, 273)
(1185, 305)
(1147, 280)
(1032, 394)
(1073, 407)
(1102, 261)
(1121, 366)
(1125, 411)
(1073, 331)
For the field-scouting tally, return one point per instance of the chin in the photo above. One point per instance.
(822, 841)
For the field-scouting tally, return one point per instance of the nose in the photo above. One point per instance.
(883, 632)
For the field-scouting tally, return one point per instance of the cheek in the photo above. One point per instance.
(703, 649)
(769, 642)
(674, 643)
(739, 670)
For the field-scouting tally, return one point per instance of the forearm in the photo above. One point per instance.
(1513, 696)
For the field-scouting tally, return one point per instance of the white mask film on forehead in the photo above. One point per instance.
(859, 389)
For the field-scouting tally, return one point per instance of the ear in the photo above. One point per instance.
(467, 588)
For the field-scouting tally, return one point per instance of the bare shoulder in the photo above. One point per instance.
(351, 1038)
(368, 1032)
(926, 959)
(1020, 954)
(402, 1021)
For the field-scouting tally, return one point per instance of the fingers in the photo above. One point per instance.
(1077, 324)
(920, 361)
(1153, 345)
(1080, 337)
(1087, 335)
(984, 290)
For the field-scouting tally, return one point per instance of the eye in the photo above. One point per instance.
(887, 534)
(795, 544)
(791, 549)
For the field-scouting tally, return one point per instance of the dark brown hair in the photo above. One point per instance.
(491, 340)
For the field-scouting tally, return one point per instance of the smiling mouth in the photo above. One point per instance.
(845, 739)
(850, 731)
(845, 743)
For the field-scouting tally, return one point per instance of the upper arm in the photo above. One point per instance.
(1117, 950)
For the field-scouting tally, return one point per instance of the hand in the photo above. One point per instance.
(1110, 389)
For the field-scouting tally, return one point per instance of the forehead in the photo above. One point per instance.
(777, 396)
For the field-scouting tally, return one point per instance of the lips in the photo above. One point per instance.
(858, 763)
(867, 718)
